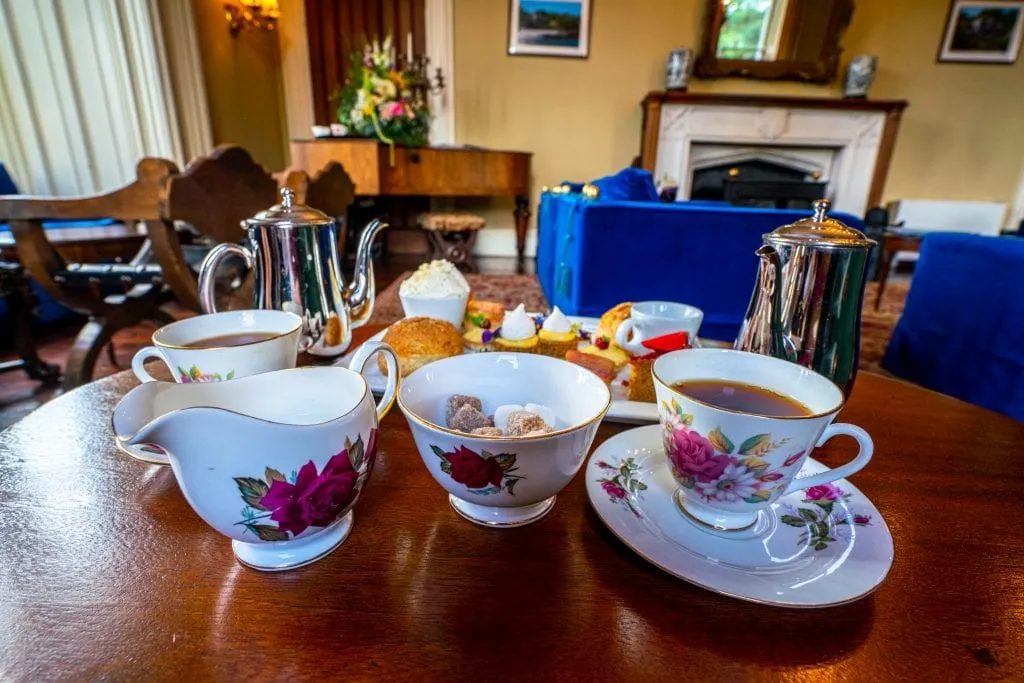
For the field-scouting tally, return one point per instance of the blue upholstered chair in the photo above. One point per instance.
(962, 330)
(625, 245)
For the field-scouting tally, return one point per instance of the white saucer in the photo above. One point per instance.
(783, 561)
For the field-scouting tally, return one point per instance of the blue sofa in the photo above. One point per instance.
(962, 329)
(625, 245)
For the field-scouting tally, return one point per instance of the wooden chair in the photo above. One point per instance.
(215, 194)
(83, 287)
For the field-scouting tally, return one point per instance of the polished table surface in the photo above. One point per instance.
(106, 573)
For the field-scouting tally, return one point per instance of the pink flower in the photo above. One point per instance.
(603, 465)
(313, 500)
(613, 489)
(693, 457)
(793, 458)
(862, 519)
(824, 492)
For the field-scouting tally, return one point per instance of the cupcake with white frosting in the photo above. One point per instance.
(557, 335)
(518, 332)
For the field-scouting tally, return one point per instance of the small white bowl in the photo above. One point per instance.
(450, 308)
(503, 481)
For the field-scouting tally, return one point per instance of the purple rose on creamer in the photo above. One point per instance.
(693, 457)
(313, 500)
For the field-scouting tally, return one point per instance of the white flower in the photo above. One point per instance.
(734, 484)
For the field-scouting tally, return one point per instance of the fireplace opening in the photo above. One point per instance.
(758, 183)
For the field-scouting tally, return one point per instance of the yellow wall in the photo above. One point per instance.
(243, 86)
(960, 139)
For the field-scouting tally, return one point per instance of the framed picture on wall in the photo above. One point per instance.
(983, 32)
(554, 28)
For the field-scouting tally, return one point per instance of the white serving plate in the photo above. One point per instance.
(621, 410)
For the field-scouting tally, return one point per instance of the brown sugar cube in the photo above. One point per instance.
(522, 422)
(487, 431)
(467, 418)
(455, 402)
(540, 432)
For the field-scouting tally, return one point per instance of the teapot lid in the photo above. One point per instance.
(820, 230)
(288, 214)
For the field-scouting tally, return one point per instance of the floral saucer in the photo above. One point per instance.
(827, 545)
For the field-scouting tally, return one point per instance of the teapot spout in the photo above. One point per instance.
(762, 331)
(361, 293)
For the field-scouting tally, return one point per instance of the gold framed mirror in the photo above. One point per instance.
(773, 39)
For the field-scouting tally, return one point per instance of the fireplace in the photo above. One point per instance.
(839, 148)
(758, 182)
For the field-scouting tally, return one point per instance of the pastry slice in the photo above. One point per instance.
(640, 386)
(602, 367)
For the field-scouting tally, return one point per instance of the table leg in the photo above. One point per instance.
(522, 215)
(886, 261)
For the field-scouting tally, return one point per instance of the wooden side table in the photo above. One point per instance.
(893, 242)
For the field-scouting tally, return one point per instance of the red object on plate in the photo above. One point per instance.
(673, 341)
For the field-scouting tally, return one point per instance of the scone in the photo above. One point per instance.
(608, 326)
(557, 335)
(518, 332)
(419, 341)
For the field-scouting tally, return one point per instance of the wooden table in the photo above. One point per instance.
(893, 242)
(106, 573)
(425, 172)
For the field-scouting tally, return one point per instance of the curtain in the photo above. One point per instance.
(337, 27)
(85, 91)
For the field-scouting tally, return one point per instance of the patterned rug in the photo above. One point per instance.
(511, 290)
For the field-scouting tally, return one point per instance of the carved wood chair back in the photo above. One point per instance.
(84, 288)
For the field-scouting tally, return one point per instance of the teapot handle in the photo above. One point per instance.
(208, 272)
(362, 357)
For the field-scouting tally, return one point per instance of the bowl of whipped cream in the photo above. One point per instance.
(436, 290)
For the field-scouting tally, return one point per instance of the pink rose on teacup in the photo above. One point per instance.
(824, 492)
(693, 457)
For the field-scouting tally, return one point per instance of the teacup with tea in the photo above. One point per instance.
(223, 346)
(738, 426)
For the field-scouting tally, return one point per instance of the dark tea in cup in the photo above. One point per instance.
(741, 398)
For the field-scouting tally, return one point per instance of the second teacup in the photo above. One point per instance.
(223, 346)
(650, 319)
(737, 428)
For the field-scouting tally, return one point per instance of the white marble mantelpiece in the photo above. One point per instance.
(847, 144)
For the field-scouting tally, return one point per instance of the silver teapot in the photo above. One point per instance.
(807, 302)
(296, 265)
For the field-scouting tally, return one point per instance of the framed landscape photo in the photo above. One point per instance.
(554, 28)
(983, 32)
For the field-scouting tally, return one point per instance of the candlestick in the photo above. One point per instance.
(408, 47)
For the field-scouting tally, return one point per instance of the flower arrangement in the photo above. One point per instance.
(382, 99)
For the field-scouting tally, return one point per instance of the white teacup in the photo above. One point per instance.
(174, 345)
(650, 319)
(730, 465)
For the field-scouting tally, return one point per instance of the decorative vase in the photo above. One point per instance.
(859, 76)
(677, 71)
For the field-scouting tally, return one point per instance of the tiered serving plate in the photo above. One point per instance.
(621, 410)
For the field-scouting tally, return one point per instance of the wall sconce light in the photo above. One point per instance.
(252, 14)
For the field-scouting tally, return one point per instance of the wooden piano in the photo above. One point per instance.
(425, 172)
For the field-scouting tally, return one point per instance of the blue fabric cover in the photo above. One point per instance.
(605, 252)
(7, 184)
(962, 330)
(629, 184)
